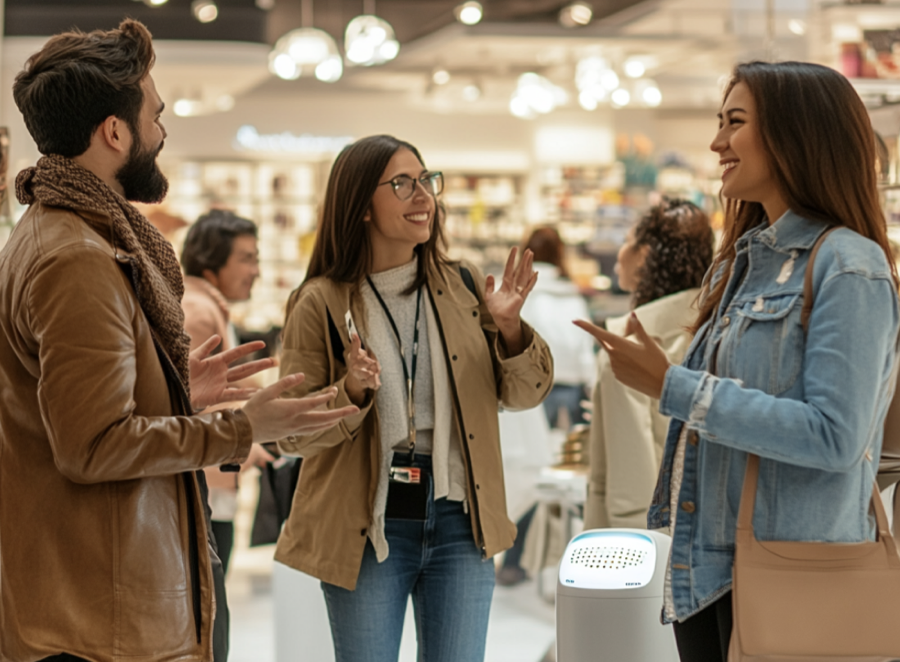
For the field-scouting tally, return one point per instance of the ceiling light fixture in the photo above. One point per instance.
(308, 51)
(535, 95)
(575, 15)
(620, 98)
(647, 92)
(469, 13)
(205, 11)
(155, 3)
(440, 77)
(634, 67)
(369, 40)
(472, 92)
(797, 26)
(594, 79)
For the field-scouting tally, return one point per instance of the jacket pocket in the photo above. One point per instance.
(765, 347)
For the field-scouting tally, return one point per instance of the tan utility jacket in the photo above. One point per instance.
(333, 506)
(103, 551)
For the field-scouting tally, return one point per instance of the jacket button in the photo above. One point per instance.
(471, 436)
(454, 357)
(363, 532)
(693, 437)
(440, 292)
(477, 487)
(688, 506)
(474, 313)
(538, 385)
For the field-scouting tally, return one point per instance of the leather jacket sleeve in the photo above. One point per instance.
(80, 312)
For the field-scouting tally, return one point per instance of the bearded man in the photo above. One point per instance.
(105, 554)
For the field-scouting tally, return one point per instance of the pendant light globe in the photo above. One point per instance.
(369, 40)
(306, 51)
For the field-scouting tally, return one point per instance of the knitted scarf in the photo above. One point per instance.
(57, 181)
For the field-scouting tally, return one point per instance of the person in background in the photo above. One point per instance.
(407, 497)
(106, 553)
(220, 261)
(662, 263)
(798, 155)
(553, 303)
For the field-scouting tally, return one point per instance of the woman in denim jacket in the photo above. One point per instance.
(798, 154)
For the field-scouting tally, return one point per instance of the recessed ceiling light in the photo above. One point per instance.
(469, 13)
(576, 15)
(205, 11)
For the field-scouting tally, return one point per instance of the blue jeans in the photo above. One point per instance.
(435, 561)
(568, 397)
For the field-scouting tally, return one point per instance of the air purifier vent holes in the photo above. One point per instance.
(607, 558)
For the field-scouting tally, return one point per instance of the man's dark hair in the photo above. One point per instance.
(78, 79)
(210, 240)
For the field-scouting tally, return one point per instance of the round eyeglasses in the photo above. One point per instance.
(404, 186)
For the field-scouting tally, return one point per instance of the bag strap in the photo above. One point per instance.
(806, 311)
(469, 282)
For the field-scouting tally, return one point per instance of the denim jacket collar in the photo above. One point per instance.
(790, 232)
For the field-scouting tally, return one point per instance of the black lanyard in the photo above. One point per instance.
(409, 374)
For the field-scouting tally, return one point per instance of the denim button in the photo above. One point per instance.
(693, 438)
(688, 506)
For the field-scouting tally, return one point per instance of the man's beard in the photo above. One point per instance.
(140, 176)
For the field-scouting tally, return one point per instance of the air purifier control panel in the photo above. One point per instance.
(608, 560)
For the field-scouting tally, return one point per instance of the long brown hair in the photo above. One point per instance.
(343, 251)
(548, 247)
(821, 150)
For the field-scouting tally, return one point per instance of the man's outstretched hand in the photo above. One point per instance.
(212, 377)
(273, 418)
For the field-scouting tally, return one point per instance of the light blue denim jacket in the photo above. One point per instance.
(811, 407)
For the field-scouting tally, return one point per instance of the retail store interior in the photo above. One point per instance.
(578, 115)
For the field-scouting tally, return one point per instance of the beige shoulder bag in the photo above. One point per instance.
(810, 601)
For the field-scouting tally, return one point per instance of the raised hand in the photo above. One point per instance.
(212, 378)
(506, 303)
(640, 364)
(363, 371)
(273, 418)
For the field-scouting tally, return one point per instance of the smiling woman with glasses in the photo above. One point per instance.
(406, 499)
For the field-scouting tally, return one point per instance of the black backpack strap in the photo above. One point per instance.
(466, 275)
(337, 343)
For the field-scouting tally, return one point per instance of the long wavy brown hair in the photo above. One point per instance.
(821, 150)
(343, 250)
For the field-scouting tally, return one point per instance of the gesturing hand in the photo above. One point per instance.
(273, 418)
(506, 303)
(363, 371)
(640, 364)
(212, 377)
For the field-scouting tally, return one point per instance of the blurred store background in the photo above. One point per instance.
(578, 115)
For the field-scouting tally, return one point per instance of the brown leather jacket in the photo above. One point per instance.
(326, 533)
(103, 550)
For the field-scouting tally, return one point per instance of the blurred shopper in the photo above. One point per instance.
(554, 302)
(798, 154)
(407, 497)
(105, 554)
(662, 263)
(220, 261)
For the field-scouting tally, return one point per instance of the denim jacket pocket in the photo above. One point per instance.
(766, 348)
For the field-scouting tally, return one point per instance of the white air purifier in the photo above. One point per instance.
(609, 598)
